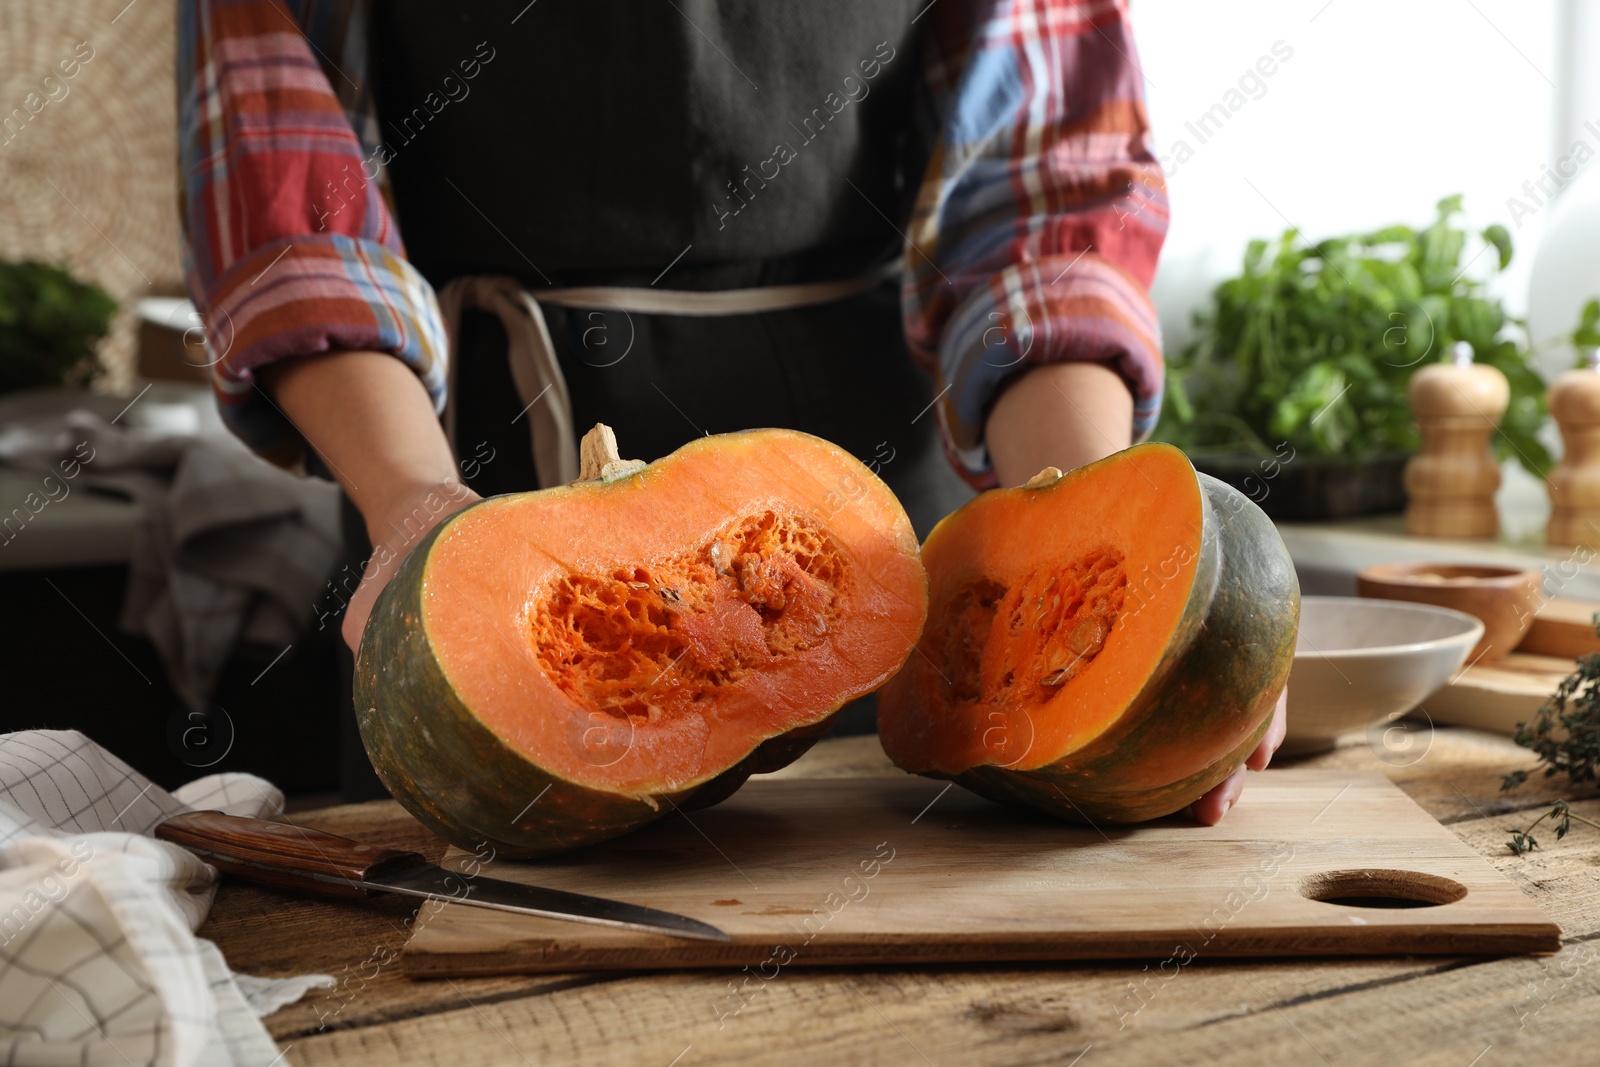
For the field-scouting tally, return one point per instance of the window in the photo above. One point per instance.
(1340, 115)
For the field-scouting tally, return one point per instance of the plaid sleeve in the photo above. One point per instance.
(289, 247)
(1035, 234)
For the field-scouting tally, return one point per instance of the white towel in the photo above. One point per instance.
(98, 959)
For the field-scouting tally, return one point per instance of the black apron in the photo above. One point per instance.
(690, 144)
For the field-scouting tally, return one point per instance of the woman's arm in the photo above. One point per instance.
(290, 249)
(1035, 233)
(372, 423)
(1058, 415)
(322, 335)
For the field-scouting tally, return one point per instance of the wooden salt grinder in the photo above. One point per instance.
(1575, 482)
(1451, 481)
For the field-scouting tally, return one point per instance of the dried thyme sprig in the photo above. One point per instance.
(1524, 841)
(1565, 735)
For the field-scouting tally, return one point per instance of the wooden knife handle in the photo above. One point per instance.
(280, 854)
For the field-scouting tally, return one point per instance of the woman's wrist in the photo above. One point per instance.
(371, 420)
(1058, 415)
(405, 512)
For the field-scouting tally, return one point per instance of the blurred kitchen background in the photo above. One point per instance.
(1329, 116)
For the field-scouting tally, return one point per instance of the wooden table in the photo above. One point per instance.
(1454, 1012)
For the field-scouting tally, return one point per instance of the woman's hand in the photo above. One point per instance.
(1210, 808)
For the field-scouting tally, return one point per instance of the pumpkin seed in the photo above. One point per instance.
(1089, 637)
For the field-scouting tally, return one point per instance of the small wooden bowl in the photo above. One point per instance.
(1505, 598)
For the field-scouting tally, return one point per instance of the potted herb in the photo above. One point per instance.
(1294, 389)
(50, 323)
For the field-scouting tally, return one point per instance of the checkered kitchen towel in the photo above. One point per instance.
(98, 959)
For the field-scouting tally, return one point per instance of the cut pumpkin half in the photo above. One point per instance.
(550, 669)
(1104, 645)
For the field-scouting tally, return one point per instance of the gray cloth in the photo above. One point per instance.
(228, 550)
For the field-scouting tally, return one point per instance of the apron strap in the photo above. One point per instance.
(540, 384)
(537, 373)
(719, 301)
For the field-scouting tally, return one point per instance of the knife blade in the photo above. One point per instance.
(296, 857)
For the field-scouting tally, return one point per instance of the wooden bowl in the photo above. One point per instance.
(1505, 598)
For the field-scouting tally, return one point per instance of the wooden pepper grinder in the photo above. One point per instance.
(1451, 481)
(1575, 482)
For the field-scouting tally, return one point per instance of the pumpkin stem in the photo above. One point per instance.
(1043, 478)
(598, 459)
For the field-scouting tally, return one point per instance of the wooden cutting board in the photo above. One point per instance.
(909, 870)
(1562, 627)
(1497, 695)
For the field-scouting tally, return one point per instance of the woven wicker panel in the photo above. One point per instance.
(88, 163)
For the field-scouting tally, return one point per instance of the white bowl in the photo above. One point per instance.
(1360, 662)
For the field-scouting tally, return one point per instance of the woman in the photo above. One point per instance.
(675, 216)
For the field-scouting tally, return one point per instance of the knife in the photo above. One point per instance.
(295, 857)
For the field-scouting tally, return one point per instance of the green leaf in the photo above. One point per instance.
(1180, 400)
(1500, 237)
(1587, 335)
(1391, 235)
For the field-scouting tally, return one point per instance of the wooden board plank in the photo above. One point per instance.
(901, 871)
(1562, 627)
(1245, 1013)
(1498, 695)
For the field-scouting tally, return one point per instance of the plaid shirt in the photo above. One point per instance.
(1033, 238)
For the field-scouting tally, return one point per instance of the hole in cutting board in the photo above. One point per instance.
(1382, 889)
